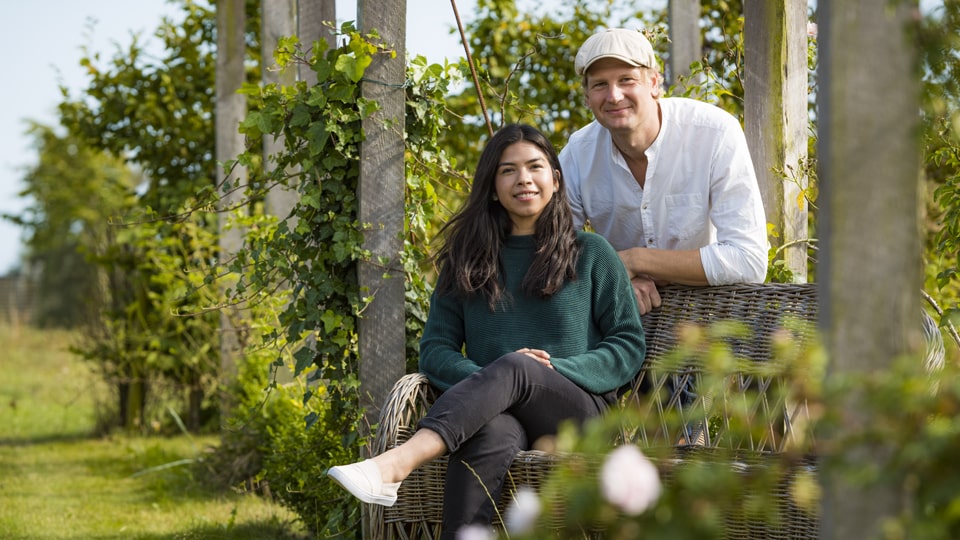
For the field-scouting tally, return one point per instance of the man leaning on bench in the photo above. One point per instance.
(668, 182)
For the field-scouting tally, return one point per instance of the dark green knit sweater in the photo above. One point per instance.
(591, 327)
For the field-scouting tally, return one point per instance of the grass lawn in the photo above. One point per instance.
(57, 481)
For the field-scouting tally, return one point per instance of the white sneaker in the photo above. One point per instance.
(364, 482)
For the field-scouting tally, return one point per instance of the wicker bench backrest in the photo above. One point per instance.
(679, 413)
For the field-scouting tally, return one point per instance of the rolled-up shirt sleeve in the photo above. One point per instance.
(739, 254)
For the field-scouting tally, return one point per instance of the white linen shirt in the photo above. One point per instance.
(700, 191)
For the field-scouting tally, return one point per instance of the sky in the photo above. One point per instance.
(43, 43)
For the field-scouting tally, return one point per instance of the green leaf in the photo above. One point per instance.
(353, 67)
(317, 137)
(304, 359)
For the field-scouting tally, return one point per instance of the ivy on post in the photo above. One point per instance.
(278, 20)
(381, 207)
(311, 15)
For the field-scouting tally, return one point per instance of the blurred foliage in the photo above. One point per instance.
(155, 112)
(940, 65)
(145, 124)
(74, 191)
(264, 447)
(708, 491)
(914, 421)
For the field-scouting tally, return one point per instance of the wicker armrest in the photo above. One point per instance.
(417, 512)
(409, 400)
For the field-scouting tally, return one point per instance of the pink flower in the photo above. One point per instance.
(629, 481)
(523, 512)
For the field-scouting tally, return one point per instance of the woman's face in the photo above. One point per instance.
(525, 183)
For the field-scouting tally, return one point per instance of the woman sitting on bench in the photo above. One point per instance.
(531, 324)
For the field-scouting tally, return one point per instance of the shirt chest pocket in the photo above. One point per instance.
(687, 216)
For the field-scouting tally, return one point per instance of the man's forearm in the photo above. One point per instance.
(675, 266)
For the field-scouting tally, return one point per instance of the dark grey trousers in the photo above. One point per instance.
(490, 416)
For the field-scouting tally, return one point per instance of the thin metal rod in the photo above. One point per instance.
(473, 70)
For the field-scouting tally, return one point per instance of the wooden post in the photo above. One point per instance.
(870, 257)
(685, 41)
(775, 118)
(278, 20)
(285, 18)
(231, 108)
(310, 17)
(382, 181)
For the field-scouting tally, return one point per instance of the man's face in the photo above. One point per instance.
(621, 96)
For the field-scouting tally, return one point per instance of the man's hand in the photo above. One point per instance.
(645, 289)
(682, 267)
(539, 355)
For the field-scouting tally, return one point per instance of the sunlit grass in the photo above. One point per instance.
(58, 481)
(45, 391)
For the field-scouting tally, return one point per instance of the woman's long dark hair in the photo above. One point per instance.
(469, 259)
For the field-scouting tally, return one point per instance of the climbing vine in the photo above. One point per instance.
(318, 247)
(310, 258)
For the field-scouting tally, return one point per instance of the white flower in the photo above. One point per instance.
(523, 511)
(475, 532)
(629, 480)
(812, 30)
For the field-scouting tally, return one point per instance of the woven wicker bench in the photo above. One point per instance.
(764, 309)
